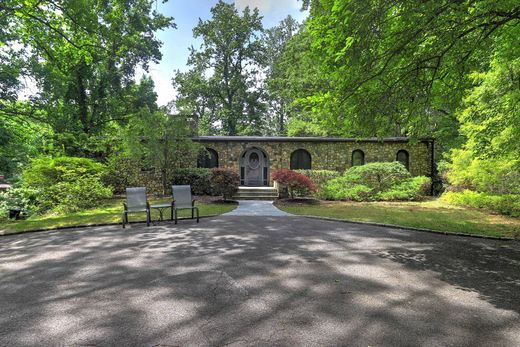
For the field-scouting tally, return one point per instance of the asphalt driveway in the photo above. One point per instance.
(261, 281)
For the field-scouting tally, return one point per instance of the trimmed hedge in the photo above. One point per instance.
(504, 204)
(198, 178)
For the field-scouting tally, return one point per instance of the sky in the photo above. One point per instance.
(186, 14)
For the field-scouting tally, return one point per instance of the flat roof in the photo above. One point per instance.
(301, 139)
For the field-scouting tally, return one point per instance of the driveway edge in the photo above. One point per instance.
(394, 226)
(92, 225)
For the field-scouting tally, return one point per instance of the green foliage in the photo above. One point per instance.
(377, 181)
(233, 55)
(19, 197)
(45, 171)
(342, 188)
(66, 184)
(82, 56)
(379, 176)
(278, 85)
(198, 178)
(159, 142)
(488, 162)
(71, 196)
(396, 67)
(505, 204)
(224, 182)
(410, 189)
(491, 175)
(320, 178)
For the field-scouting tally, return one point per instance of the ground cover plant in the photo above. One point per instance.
(109, 211)
(433, 214)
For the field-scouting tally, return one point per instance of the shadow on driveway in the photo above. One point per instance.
(258, 281)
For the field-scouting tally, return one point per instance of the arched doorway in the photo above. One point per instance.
(254, 168)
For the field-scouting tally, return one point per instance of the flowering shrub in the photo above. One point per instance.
(224, 182)
(296, 183)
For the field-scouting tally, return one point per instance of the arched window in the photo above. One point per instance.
(300, 160)
(358, 158)
(404, 158)
(208, 159)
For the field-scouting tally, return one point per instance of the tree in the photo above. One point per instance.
(155, 140)
(279, 99)
(400, 67)
(81, 55)
(226, 71)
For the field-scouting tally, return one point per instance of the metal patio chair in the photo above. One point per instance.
(136, 202)
(182, 200)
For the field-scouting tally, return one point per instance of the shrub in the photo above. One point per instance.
(224, 182)
(504, 204)
(377, 181)
(45, 171)
(73, 196)
(20, 197)
(411, 189)
(198, 178)
(296, 183)
(342, 188)
(66, 184)
(320, 178)
(378, 176)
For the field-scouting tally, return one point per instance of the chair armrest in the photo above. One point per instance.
(125, 206)
(173, 203)
(193, 202)
(147, 204)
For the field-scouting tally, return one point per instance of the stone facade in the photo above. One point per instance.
(326, 153)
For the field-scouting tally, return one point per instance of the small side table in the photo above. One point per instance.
(161, 208)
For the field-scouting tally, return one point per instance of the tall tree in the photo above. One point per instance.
(82, 55)
(401, 67)
(279, 98)
(226, 69)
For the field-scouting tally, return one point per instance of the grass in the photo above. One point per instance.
(433, 214)
(110, 212)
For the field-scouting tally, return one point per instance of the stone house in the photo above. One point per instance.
(255, 158)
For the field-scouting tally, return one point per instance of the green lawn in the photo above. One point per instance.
(433, 214)
(109, 212)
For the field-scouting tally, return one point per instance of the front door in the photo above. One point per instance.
(253, 169)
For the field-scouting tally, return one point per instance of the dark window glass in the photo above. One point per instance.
(358, 158)
(208, 159)
(300, 160)
(404, 158)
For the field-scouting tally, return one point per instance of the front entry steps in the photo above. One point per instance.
(256, 193)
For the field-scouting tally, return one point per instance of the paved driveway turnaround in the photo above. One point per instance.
(256, 208)
(262, 281)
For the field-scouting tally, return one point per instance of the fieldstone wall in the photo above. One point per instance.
(326, 154)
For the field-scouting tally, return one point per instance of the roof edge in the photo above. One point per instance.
(301, 139)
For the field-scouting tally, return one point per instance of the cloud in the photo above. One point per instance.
(268, 6)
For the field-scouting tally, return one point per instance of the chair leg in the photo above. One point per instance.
(175, 215)
(123, 219)
(148, 218)
(197, 213)
(192, 212)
